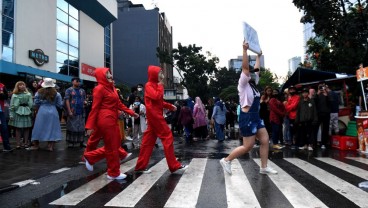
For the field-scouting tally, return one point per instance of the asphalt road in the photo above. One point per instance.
(322, 178)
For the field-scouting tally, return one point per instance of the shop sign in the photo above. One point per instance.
(38, 57)
(88, 70)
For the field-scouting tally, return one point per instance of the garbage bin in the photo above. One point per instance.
(362, 130)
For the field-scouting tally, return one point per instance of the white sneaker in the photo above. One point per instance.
(119, 177)
(226, 165)
(267, 170)
(129, 138)
(181, 169)
(126, 157)
(310, 148)
(88, 165)
(145, 171)
(323, 147)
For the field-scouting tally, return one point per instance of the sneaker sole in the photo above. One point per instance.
(116, 178)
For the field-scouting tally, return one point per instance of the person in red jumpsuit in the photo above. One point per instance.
(157, 126)
(96, 136)
(103, 119)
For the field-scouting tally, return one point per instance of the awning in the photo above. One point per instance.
(309, 76)
(16, 69)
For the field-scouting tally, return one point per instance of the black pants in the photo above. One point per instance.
(305, 135)
(324, 120)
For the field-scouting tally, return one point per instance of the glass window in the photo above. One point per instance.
(61, 57)
(107, 58)
(67, 42)
(7, 39)
(107, 49)
(8, 8)
(7, 54)
(73, 23)
(73, 51)
(61, 46)
(8, 24)
(73, 37)
(107, 40)
(62, 5)
(73, 12)
(107, 31)
(62, 31)
(59, 66)
(62, 16)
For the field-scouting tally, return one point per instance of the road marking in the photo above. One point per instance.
(238, 189)
(187, 190)
(60, 170)
(81, 193)
(342, 187)
(358, 159)
(23, 183)
(131, 195)
(295, 192)
(348, 168)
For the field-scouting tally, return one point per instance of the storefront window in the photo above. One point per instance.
(107, 47)
(7, 30)
(67, 43)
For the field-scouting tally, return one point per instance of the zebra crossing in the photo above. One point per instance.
(318, 182)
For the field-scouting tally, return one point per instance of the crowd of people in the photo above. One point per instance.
(289, 119)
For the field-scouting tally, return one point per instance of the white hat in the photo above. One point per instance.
(48, 82)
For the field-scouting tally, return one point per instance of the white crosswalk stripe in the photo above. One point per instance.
(130, 196)
(356, 195)
(359, 159)
(81, 193)
(187, 190)
(239, 192)
(239, 187)
(297, 195)
(348, 168)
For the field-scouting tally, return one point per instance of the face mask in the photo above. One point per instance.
(137, 103)
(109, 77)
(139, 89)
(161, 76)
(292, 93)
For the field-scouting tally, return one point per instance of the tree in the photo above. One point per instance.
(341, 30)
(268, 78)
(194, 68)
(222, 79)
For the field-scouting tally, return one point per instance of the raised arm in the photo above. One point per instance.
(258, 61)
(245, 62)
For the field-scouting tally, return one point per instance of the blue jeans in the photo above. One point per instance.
(275, 132)
(219, 128)
(4, 131)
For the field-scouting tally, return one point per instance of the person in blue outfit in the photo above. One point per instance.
(219, 119)
(47, 124)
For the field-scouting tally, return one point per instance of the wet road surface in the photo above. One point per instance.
(322, 178)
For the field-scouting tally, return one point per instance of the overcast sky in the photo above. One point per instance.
(217, 27)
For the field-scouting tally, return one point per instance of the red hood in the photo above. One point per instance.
(101, 77)
(153, 73)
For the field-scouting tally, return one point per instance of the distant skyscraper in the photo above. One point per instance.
(294, 63)
(307, 33)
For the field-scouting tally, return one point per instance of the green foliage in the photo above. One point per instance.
(230, 93)
(268, 79)
(222, 79)
(341, 30)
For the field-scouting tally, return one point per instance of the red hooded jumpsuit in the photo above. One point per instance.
(103, 118)
(96, 136)
(157, 126)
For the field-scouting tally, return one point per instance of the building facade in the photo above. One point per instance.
(294, 63)
(236, 64)
(137, 35)
(59, 39)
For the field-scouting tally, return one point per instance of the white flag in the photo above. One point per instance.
(251, 37)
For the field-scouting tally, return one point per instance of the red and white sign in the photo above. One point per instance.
(88, 70)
